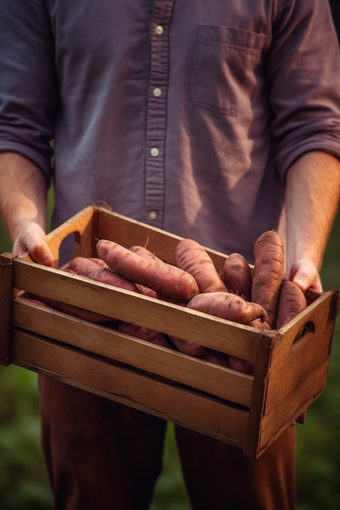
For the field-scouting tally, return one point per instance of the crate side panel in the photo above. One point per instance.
(218, 334)
(6, 297)
(292, 363)
(262, 369)
(81, 223)
(293, 404)
(222, 382)
(171, 401)
(127, 232)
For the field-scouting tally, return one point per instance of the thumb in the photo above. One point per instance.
(32, 239)
(306, 276)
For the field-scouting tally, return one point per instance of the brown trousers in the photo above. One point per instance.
(103, 455)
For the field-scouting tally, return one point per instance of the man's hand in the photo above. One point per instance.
(313, 190)
(23, 206)
(305, 274)
(31, 239)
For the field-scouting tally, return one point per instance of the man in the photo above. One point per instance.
(212, 120)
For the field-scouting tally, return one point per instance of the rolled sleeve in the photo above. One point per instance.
(303, 70)
(27, 86)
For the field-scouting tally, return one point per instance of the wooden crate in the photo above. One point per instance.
(249, 412)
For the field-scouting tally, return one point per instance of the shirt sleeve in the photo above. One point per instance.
(303, 70)
(27, 85)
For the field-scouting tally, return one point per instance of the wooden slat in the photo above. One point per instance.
(291, 363)
(171, 402)
(222, 382)
(302, 418)
(82, 224)
(127, 232)
(123, 401)
(261, 375)
(218, 334)
(293, 404)
(6, 296)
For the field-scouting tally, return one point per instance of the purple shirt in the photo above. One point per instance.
(185, 115)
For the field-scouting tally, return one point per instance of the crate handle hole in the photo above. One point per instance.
(305, 332)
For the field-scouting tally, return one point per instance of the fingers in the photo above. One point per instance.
(32, 239)
(305, 275)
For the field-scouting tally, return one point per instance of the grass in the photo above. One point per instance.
(23, 479)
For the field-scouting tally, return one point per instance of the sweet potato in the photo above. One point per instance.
(75, 311)
(192, 258)
(84, 266)
(160, 277)
(146, 334)
(268, 273)
(236, 275)
(103, 275)
(241, 365)
(145, 253)
(36, 302)
(292, 301)
(146, 291)
(258, 324)
(218, 358)
(227, 306)
(190, 348)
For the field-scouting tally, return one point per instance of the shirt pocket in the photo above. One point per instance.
(227, 60)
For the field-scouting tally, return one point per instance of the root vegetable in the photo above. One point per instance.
(218, 358)
(160, 277)
(146, 334)
(75, 311)
(236, 275)
(292, 301)
(145, 253)
(192, 258)
(84, 266)
(146, 291)
(36, 302)
(190, 348)
(103, 275)
(227, 306)
(268, 273)
(240, 365)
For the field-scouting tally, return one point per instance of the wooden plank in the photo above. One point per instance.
(290, 407)
(84, 241)
(302, 418)
(172, 402)
(218, 334)
(6, 297)
(261, 375)
(291, 363)
(216, 380)
(127, 232)
(123, 401)
(80, 223)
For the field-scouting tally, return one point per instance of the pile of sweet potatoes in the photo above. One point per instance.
(257, 296)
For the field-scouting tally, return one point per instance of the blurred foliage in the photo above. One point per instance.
(23, 479)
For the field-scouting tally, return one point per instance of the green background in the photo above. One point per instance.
(23, 479)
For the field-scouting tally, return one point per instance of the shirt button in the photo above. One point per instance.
(157, 92)
(152, 215)
(159, 30)
(154, 152)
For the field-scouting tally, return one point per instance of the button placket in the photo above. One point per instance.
(156, 113)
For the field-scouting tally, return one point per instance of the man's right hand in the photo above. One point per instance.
(31, 239)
